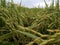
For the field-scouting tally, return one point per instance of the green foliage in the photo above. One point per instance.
(3, 3)
(21, 25)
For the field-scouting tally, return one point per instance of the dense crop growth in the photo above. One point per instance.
(29, 26)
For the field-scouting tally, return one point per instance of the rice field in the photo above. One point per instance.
(29, 26)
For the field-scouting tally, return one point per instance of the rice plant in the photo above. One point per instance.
(29, 26)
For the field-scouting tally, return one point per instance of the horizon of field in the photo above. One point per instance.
(33, 3)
